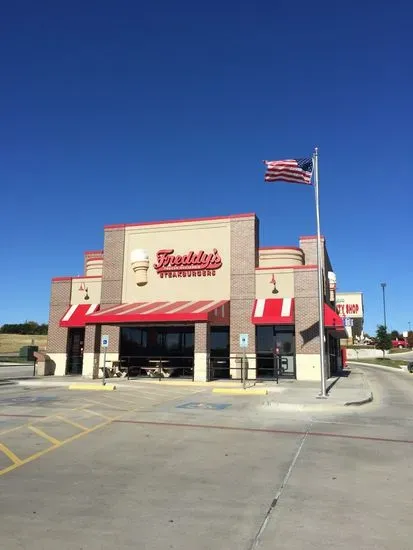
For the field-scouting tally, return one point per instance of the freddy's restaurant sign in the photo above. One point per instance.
(192, 264)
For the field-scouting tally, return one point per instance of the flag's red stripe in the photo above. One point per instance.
(287, 178)
(302, 175)
(290, 172)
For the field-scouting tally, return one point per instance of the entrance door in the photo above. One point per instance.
(284, 342)
(269, 339)
(219, 353)
(75, 351)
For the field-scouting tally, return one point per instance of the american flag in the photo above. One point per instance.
(291, 170)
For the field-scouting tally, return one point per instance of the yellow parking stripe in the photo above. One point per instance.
(43, 434)
(56, 444)
(105, 404)
(75, 424)
(15, 459)
(97, 414)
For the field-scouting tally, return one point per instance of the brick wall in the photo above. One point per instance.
(92, 345)
(59, 304)
(201, 338)
(113, 332)
(309, 247)
(112, 267)
(92, 339)
(307, 338)
(243, 262)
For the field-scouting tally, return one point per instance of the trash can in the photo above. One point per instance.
(27, 352)
(410, 366)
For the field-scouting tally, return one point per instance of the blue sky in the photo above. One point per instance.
(128, 111)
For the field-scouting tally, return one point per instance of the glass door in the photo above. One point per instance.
(279, 339)
(75, 351)
(284, 343)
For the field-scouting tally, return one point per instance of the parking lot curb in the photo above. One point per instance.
(92, 387)
(240, 391)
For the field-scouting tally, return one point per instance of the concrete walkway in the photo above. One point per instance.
(350, 388)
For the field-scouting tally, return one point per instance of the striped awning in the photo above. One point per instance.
(216, 312)
(76, 314)
(273, 311)
(281, 311)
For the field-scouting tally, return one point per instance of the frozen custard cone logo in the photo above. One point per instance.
(140, 264)
(192, 264)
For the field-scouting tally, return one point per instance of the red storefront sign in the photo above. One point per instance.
(347, 309)
(192, 264)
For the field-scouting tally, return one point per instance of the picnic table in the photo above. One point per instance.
(158, 368)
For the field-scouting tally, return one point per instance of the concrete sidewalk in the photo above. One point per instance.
(349, 388)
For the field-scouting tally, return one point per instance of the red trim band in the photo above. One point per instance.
(59, 279)
(189, 220)
(281, 248)
(310, 238)
(95, 252)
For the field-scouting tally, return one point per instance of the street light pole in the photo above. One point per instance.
(383, 286)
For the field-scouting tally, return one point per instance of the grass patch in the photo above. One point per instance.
(398, 350)
(11, 343)
(381, 362)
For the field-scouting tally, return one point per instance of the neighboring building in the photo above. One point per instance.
(185, 291)
(349, 306)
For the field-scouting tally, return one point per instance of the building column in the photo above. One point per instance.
(244, 258)
(307, 335)
(112, 351)
(91, 351)
(201, 352)
(57, 335)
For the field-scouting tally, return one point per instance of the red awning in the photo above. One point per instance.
(281, 311)
(273, 311)
(216, 312)
(75, 316)
(332, 319)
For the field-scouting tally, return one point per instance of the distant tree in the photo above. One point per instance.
(383, 339)
(395, 335)
(29, 327)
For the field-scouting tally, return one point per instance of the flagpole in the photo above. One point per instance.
(323, 393)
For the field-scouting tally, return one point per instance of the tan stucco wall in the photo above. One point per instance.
(308, 366)
(284, 283)
(280, 256)
(93, 286)
(183, 238)
(94, 266)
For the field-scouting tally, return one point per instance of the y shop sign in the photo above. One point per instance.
(348, 309)
(350, 306)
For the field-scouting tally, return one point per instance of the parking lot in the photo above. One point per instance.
(155, 466)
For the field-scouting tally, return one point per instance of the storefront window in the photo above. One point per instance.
(157, 341)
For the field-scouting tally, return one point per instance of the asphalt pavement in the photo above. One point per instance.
(162, 467)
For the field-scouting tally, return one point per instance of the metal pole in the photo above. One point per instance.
(244, 365)
(323, 392)
(383, 286)
(104, 367)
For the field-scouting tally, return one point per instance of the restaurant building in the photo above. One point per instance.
(189, 293)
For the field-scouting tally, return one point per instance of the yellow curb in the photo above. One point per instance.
(92, 387)
(239, 391)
